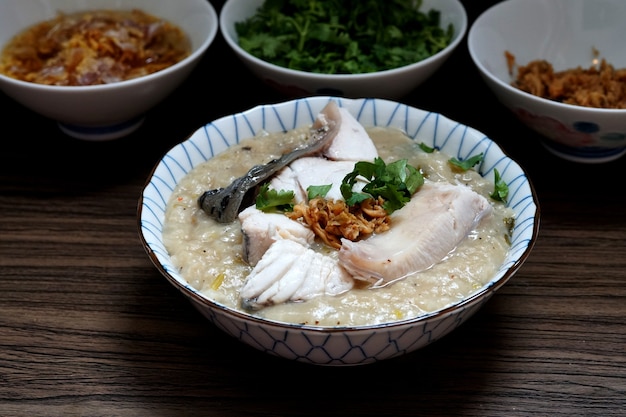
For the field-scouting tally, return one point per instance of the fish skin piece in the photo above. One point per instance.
(332, 124)
(290, 271)
(260, 230)
(350, 141)
(423, 232)
(224, 204)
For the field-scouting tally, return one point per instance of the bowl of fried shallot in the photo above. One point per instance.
(559, 66)
(97, 68)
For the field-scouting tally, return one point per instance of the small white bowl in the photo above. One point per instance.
(337, 346)
(390, 84)
(564, 33)
(108, 111)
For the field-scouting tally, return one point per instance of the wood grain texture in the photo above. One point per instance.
(88, 327)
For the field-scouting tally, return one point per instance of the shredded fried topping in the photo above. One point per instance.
(331, 220)
(599, 86)
(95, 47)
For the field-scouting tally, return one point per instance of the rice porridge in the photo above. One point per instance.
(210, 255)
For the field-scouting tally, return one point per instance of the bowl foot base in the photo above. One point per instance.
(102, 133)
(587, 155)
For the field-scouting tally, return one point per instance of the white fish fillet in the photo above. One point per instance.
(286, 180)
(260, 230)
(289, 271)
(351, 141)
(308, 171)
(422, 233)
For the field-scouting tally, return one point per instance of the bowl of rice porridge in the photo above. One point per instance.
(336, 231)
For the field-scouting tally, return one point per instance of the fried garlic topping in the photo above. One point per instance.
(331, 220)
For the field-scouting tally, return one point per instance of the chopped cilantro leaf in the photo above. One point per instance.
(426, 148)
(501, 189)
(272, 200)
(467, 163)
(395, 183)
(318, 191)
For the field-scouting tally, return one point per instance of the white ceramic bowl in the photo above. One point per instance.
(563, 32)
(109, 111)
(390, 84)
(337, 345)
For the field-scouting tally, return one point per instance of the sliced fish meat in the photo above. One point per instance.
(423, 232)
(224, 204)
(350, 141)
(305, 172)
(260, 230)
(290, 271)
(287, 180)
(335, 133)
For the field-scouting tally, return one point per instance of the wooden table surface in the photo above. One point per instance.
(88, 327)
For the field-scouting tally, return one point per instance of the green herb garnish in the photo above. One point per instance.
(343, 37)
(395, 183)
(426, 148)
(501, 189)
(272, 200)
(467, 163)
(318, 191)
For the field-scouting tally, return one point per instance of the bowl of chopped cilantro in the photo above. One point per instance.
(352, 48)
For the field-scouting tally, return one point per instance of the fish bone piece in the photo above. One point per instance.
(423, 232)
(350, 140)
(260, 230)
(289, 271)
